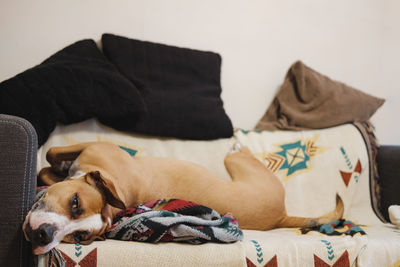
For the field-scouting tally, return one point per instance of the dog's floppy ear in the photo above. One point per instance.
(106, 188)
(106, 216)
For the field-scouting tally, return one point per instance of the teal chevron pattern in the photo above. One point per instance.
(329, 248)
(348, 162)
(257, 245)
(78, 250)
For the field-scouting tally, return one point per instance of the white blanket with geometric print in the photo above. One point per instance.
(312, 165)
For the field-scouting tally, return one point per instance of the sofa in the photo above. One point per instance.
(160, 100)
(18, 172)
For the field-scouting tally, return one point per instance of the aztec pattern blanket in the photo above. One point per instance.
(174, 220)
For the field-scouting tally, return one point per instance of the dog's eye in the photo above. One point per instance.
(79, 236)
(75, 202)
(75, 207)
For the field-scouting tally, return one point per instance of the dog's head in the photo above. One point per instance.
(75, 211)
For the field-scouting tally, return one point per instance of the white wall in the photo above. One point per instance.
(356, 42)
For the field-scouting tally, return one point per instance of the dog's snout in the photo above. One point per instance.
(43, 235)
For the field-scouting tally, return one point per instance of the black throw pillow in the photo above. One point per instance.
(75, 84)
(181, 88)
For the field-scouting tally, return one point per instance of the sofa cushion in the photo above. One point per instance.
(72, 85)
(180, 86)
(126, 253)
(383, 248)
(278, 247)
(289, 247)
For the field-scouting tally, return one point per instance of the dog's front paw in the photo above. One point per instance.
(47, 176)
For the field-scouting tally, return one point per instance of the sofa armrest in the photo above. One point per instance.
(388, 161)
(18, 154)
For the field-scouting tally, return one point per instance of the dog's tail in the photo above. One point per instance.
(293, 222)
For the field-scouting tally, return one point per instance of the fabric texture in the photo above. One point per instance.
(125, 253)
(310, 100)
(338, 243)
(340, 227)
(18, 155)
(174, 220)
(383, 248)
(288, 247)
(181, 88)
(75, 84)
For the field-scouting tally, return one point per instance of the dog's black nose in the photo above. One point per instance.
(43, 235)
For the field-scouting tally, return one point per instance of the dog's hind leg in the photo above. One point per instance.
(260, 185)
(243, 166)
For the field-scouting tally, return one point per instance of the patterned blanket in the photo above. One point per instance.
(174, 220)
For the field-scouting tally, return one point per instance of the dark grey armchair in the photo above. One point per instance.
(18, 154)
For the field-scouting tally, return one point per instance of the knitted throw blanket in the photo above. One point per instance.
(174, 220)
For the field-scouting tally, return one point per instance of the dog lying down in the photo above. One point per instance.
(103, 179)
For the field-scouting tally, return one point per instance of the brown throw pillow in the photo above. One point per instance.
(310, 100)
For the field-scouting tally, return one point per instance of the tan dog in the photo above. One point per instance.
(105, 179)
